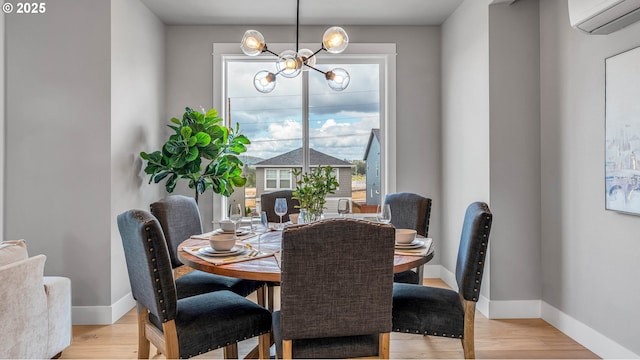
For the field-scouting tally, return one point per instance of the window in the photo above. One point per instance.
(278, 179)
(333, 128)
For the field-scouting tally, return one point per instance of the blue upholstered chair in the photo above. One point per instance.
(268, 201)
(409, 211)
(336, 287)
(182, 328)
(179, 218)
(434, 311)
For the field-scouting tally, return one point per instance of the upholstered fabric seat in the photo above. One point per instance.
(179, 217)
(336, 286)
(409, 211)
(442, 312)
(268, 202)
(189, 326)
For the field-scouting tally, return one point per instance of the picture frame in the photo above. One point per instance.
(622, 132)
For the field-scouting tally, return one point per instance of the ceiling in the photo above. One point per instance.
(312, 12)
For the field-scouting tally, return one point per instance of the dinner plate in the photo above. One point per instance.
(239, 232)
(209, 251)
(412, 245)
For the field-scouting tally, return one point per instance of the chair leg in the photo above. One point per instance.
(143, 341)
(468, 337)
(287, 349)
(231, 351)
(264, 343)
(383, 345)
(171, 340)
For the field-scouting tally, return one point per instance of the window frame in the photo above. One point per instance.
(278, 178)
(383, 53)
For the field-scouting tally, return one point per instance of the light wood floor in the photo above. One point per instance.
(495, 339)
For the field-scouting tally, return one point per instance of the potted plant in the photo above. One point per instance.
(199, 137)
(311, 189)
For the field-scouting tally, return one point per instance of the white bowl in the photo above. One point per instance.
(405, 236)
(227, 226)
(222, 243)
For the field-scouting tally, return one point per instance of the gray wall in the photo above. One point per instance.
(137, 117)
(465, 123)
(57, 175)
(514, 90)
(85, 94)
(589, 255)
(190, 83)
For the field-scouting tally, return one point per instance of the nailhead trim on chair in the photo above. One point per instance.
(431, 333)
(479, 273)
(163, 309)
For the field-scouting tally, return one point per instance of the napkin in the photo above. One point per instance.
(193, 250)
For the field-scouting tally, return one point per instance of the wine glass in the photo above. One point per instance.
(262, 228)
(281, 209)
(343, 207)
(384, 214)
(235, 215)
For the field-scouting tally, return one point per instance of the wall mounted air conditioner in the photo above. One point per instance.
(603, 16)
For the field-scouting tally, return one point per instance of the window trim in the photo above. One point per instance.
(383, 52)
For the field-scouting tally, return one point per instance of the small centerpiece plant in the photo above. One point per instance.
(202, 151)
(311, 189)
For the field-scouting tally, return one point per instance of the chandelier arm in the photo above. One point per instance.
(316, 53)
(270, 52)
(318, 70)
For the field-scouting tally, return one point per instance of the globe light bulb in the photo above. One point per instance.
(335, 40)
(305, 56)
(288, 64)
(252, 43)
(338, 79)
(264, 81)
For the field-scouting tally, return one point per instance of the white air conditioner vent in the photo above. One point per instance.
(603, 16)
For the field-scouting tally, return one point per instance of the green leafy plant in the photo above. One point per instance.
(199, 137)
(312, 187)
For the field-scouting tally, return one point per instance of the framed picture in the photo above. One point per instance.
(622, 132)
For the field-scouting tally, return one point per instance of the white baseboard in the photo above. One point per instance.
(492, 309)
(102, 315)
(586, 336)
(519, 309)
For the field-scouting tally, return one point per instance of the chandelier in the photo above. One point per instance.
(291, 63)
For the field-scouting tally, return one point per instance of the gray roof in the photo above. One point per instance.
(374, 133)
(294, 158)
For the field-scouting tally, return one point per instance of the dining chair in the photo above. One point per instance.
(268, 201)
(336, 288)
(442, 312)
(409, 211)
(189, 326)
(179, 218)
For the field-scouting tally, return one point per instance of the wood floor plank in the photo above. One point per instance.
(495, 339)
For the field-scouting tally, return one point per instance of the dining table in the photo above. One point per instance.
(266, 266)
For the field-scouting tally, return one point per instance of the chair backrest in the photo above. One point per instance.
(336, 279)
(410, 211)
(179, 217)
(147, 257)
(474, 243)
(268, 201)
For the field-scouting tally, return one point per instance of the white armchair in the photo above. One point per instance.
(35, 310)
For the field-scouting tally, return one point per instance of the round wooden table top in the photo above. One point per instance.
(267, 268)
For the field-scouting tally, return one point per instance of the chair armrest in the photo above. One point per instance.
(58, 290)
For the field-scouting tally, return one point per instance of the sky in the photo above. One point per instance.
(340, 121)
